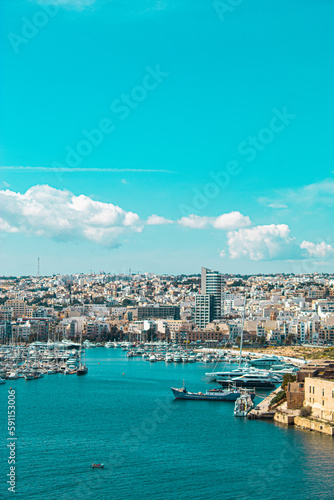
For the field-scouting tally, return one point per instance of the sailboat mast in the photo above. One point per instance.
(242, 330)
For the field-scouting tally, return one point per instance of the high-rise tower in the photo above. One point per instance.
(208, 304)
(212, 284)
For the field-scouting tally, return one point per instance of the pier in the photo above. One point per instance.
(263, 410)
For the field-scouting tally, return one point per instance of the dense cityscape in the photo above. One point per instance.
(208, 307)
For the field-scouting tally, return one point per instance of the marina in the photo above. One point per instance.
(49, 358)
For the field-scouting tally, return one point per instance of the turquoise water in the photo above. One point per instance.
(123, 414)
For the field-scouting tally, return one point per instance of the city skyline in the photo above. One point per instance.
(130, 148)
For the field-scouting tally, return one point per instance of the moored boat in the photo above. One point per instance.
(82, 370)
(250, 381)
(243, 405)
(212, 395)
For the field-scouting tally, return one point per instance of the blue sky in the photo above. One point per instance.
(184, 95)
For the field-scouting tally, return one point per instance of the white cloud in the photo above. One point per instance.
(55, 213)
(321, 250)
(229, 221)
(261, 242)
(7, 228)
(195, 221)
(156, 220)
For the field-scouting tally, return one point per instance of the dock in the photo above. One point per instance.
(262, 410)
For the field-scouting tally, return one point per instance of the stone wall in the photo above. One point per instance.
(294, 400)
(314, 425)
(284, 418)
(295, 395)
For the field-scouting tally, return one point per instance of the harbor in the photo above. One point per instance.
(124, 415)
(66, 357)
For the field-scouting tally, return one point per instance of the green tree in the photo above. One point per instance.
(288, 377)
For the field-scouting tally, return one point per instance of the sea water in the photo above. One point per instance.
(123, 414)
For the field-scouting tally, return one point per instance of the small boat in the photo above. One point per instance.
(97, 466)
(29, 376)
(243, 405)
(2, 381)
(82, 370)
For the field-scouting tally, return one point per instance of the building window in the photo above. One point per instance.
(323, 403)
(313, 389)
(323, 392)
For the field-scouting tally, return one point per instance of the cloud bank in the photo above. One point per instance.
(63, 216)
(321, 250)
(59, 214)
(260, 242)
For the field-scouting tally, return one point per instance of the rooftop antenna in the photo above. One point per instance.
(38, 267)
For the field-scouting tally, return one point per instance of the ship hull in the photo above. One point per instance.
(225, 396)
(249, 384)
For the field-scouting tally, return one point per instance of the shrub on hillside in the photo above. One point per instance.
(280, 396)
(305, 411)
(288, 377)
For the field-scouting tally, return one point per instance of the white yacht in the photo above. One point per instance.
(265, 362)
(251, 381)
